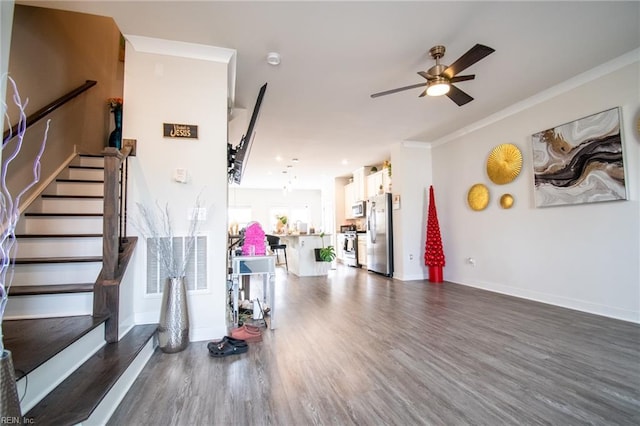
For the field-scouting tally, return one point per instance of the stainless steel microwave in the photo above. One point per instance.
(359, 209)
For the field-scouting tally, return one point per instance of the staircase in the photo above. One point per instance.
(59, 253)
(66, 371)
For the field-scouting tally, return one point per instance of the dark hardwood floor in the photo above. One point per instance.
(361, 349)
(34, 341)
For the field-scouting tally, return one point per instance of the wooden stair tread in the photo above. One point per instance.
(80, 180)
(72, 166)
(33, 290)
(72, 259)
(76, 397)
(83, 197)
(37, 214)
(32, 342)
(58, 235)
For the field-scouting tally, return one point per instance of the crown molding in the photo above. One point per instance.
(579, 80)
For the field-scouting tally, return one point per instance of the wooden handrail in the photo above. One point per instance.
(48, 109)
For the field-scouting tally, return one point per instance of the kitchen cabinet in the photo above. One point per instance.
(386, 180)
(374, 180)
(359, 185)
(362, 249)
(301, 254)
(340, 247)
(349, 200)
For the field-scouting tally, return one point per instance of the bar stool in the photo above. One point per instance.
(274, 245)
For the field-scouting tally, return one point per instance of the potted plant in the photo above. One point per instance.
(325, 254)
(281, 223)
(387, 165)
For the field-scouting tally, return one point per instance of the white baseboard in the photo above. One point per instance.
(564, 302)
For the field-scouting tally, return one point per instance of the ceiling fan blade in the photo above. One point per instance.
(459, 78)
(422, 95)
(425, 75)
(399, 89)
(458, 96)
(472, 56)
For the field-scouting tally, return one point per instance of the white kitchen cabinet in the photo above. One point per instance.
(349, 200)
(340, 247)
(359, 185)
(374, 180)
(386, 180)
(362, 249)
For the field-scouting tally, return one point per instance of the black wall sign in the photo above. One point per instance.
(174, 130)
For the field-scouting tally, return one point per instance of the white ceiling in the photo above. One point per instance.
(335, 54)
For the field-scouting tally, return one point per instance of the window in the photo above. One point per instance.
(300, 214)
(294, 215)
(275, 213)
(240, 216)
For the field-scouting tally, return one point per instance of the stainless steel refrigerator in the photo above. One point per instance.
(380, 235)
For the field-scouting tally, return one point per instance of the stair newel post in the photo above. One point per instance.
(107, 289)
(110, 241)
(128, 150)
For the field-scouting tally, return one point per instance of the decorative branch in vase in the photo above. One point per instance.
(9, 216)
(156, 227)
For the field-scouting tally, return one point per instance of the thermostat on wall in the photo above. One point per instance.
(180, 175)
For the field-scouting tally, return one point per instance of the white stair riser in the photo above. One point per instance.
(59, 247)
(60, 225)
(90, 161)
(67, 205)
(83, 174)
(43, 379)
(108, 405)
(56, 273)
(49, 305)
(76, 188)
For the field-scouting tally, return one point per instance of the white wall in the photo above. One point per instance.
(411, 166)
(6, 23)
(583, 257)
(262, 200)
(176, 82)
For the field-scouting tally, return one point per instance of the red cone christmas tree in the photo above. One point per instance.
(433, 254)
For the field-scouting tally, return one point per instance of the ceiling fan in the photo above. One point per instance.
(440, 77)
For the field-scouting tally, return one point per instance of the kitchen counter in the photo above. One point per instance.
(301, 254)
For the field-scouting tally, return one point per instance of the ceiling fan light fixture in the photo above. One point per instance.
(438, 87)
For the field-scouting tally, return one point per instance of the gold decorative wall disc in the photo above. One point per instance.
(506, 201)
(504, 163)
(478, 197)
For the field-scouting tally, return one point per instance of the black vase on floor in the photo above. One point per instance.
(115, 138)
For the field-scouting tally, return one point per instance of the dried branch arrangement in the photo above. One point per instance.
(10, 204)
(155, 225)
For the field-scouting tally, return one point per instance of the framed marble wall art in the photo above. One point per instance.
(580, 162)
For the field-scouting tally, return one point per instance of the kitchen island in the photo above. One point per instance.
(301, 254)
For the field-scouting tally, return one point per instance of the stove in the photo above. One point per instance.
(351, 248)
